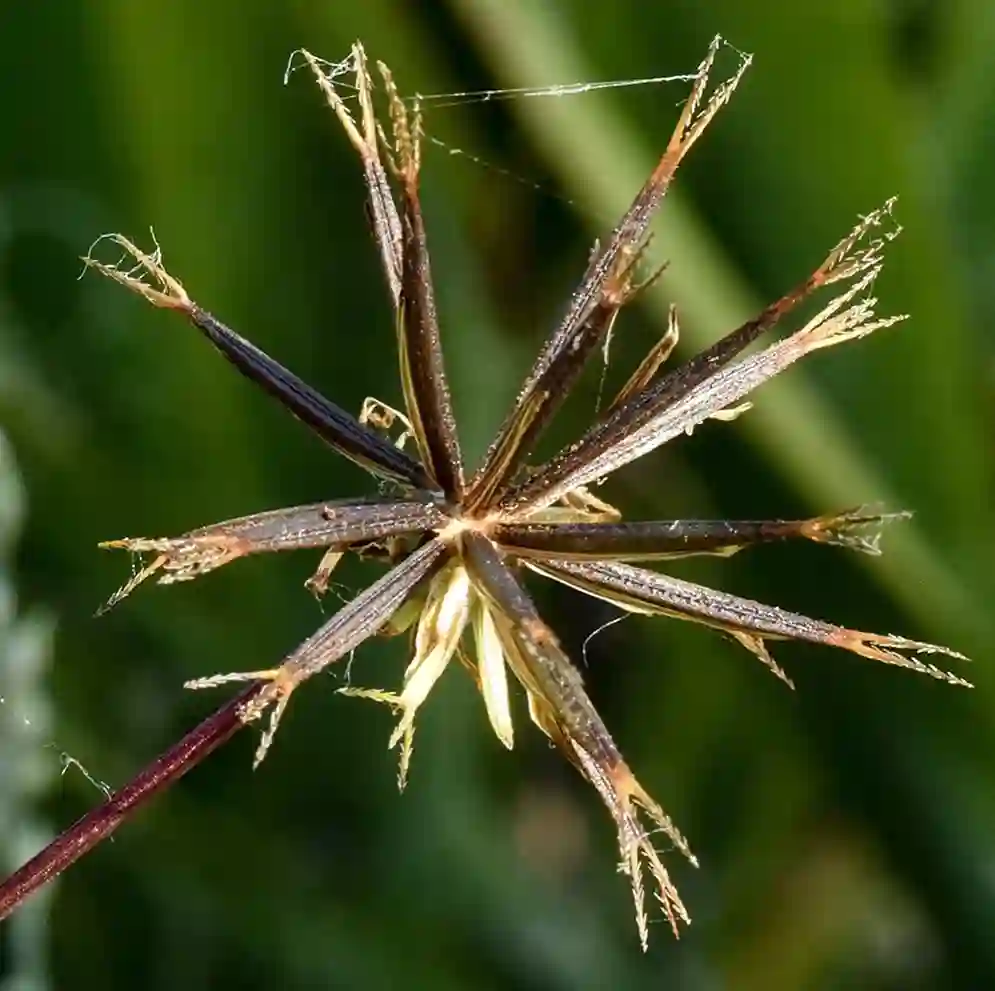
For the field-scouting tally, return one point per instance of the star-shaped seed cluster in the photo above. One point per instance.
(458, 544)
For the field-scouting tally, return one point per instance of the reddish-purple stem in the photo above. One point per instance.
(99, 823)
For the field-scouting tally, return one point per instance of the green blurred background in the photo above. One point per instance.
(846, 832)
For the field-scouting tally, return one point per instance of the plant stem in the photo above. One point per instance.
(99, 823)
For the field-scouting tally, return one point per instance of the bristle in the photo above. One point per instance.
(756, 646)
(891, 649)
(622, 794)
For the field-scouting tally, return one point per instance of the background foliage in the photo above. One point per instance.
(847, 832)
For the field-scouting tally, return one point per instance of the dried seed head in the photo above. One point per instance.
(457, 550)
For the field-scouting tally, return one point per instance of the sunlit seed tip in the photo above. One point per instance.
(624, 796)
(891, 649)
(268, 734)
(404, 733)
(374, 694)
(135, 544)
(214, 680)
(854, 254)
(404, 727)
(404, 762)
(918, 647)
(301, 57)
(179, 559)
(857, 529)
(136, 579)
(630, 788)
(756, 646)
(147, 276)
